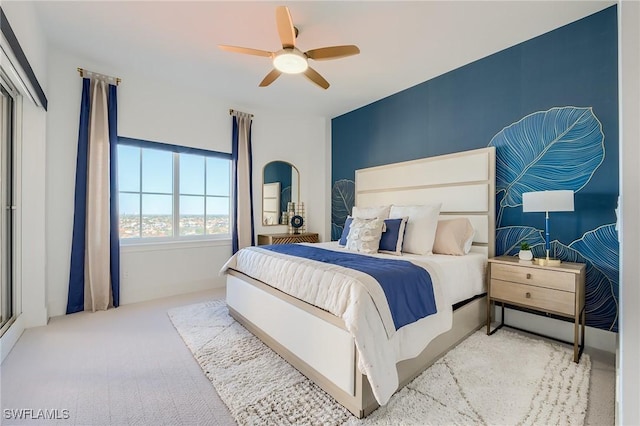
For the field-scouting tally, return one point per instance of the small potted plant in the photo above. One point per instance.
(525, 251)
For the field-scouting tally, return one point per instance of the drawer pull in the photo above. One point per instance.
(528, 295)
(528, 276)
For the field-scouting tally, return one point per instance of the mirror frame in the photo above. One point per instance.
(262, 191)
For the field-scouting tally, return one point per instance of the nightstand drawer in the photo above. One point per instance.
(546, 299)
(534, 276)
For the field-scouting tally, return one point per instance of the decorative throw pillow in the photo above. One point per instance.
(421, 226)
(393, 236)
(380, 212)
(454, 236)
(364, 235)
(345, 232)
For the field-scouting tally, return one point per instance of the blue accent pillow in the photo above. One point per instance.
(345, 231)
(393, 237)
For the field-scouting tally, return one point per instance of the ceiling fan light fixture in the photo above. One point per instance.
(290, 61)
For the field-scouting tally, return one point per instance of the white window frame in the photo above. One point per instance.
(176, 151)
(14, 256)
(12, 329)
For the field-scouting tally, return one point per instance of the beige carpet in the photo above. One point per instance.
(506, 378)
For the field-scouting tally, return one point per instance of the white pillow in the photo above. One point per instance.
(380, 212)
(454, 236)
(421, 226)
(364, 235)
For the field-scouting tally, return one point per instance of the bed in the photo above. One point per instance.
(328, 344)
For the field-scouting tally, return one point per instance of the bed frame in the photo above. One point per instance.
(317, 342)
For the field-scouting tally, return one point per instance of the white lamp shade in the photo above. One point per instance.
(547, 201)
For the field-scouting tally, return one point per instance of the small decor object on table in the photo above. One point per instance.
(525, 251)
(296, 222)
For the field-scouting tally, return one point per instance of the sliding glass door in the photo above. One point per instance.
(7, 207)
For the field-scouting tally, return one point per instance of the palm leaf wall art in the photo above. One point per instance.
(508, 238)
(342, 201)
(547, 150)
(554, 150)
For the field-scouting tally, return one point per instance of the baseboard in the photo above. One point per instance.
(594, 337)
(153, 291)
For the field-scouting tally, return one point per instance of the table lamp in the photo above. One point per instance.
(547, 201)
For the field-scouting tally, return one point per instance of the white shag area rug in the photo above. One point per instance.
(503, 379)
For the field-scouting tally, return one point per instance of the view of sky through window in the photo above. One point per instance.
(146, 183)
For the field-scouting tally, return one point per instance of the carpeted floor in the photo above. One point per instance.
(128, 366)
(503, 379)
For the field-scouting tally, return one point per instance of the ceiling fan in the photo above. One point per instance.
(291, 60)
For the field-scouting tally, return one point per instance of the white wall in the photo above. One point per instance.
(302, 141)
(162, 112)
(628, 395)
(31, 300)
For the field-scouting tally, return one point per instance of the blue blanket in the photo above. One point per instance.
(408, 287)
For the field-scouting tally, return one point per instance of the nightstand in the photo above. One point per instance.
(556, 290)
(306, 237)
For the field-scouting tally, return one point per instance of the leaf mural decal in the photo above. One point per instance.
(342, 200)
(547, 150)
(601, 249)
(601, 306)
(508, 239)
(560, 251)
(552, 150)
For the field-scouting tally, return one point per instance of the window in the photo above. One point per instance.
(168, 192)
(7, 203)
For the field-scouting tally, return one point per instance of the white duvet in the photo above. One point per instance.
(359, 300)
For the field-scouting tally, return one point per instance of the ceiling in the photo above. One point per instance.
(401, 43)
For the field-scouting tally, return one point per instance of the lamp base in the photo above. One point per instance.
(543, 261)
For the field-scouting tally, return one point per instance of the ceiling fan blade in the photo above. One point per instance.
(313, 75)
(246, 50)
(333, 52)
(270, 78)
(285, 27)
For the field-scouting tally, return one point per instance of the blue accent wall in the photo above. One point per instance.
(278, 171)
(571, 71)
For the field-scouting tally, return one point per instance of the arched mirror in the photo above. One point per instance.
(280, 185)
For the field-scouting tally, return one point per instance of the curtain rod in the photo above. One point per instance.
(106, 77)
(231, 111)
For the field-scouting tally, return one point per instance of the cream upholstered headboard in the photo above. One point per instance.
(464, 182)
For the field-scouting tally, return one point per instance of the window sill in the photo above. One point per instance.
(131, 247)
